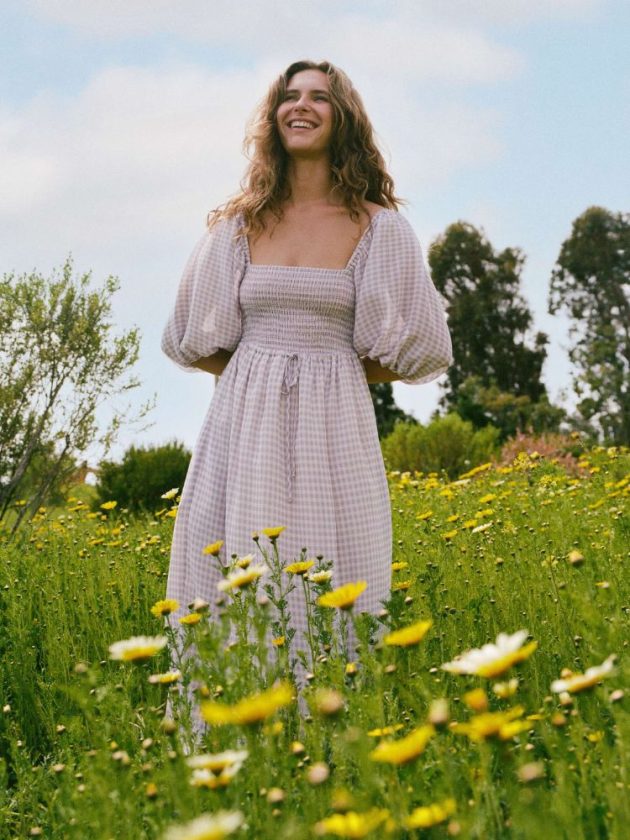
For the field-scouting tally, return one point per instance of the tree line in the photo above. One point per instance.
(496, 378)
(61, 363)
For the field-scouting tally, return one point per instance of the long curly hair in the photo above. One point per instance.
(357, 166)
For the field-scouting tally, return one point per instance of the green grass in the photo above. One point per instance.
(75, 761)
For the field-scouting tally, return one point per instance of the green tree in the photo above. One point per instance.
(591, 283)
(386, 411)
(143, 475)
(490, 324)
(59, 366)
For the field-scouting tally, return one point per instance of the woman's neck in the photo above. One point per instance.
(310, 181)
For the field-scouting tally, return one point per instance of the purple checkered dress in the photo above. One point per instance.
(290, 436)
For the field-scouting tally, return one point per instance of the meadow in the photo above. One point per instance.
(508, 743)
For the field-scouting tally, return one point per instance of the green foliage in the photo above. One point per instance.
(447, 444)
(490, 324)
(591, 283)
(510, 414)
(83, 753)
(59, 364)
(143, 475)
(386, 411)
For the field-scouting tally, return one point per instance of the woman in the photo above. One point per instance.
(305, 288)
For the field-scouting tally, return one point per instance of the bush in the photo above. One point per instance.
(144, 474)
(447, 444)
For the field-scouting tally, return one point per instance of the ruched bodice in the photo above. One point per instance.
(300, 310)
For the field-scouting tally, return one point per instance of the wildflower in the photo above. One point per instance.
(273, 533)
(531, 772)
(477, 700)
(494, 658)
(399, 565)
(352, 824)
(170, 494)
(344, 596)
(401, 586)
(214, 548)
(430, 815)
(480, 528)
(320, 577)
(505, 689)
(502, 725)
(136, 648)
(448, 535)
(300, 568)
(407, 636)
(579, 682)
(165, 607)
(191, 618)
(251, 709)
(318, 773)
(404, 749)
(424, 516)
(327, 701)
(207, 827)
(438, 712)
(575, 557)
(278, 641)
(240, 578)
(166, 678)
(217, 762)
(109, 505)
(203, 778)
(385, 730)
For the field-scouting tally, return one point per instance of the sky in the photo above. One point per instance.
(122, 121)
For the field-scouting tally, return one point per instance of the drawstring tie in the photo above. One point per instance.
(289, 381)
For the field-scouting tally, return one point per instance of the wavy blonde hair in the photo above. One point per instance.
(356, 164)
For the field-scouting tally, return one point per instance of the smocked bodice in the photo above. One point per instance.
(297, 309)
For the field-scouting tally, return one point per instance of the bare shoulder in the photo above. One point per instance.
(371, 208)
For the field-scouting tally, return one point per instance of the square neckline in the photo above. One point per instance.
(347, 267)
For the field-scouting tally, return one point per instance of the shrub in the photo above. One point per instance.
(143, 475)
(447, 444)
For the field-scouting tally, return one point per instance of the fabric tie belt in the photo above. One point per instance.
(289, 381)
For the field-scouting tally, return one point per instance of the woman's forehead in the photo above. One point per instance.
(309, 79)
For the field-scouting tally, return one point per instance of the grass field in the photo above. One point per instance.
(393, 743)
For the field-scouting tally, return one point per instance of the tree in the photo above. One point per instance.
(490, 325)
(591, 283)
(144, 474)
(59, 365)
(385, 409)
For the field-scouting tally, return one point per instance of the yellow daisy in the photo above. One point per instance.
(251, 709)
(579, 682)
(273, 533)
(344, 596)
(137, 648)
(214, 548)
(191, 618)
(352, 824)
(165, 607)
(410, 635)
(430, 815)
(299, 568)
(404, 749)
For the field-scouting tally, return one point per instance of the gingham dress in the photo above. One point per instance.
(290, 436)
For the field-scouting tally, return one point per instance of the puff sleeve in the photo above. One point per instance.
(206, 316)
(400, 320)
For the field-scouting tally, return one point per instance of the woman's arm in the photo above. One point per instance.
(376, 373)
(215, 363)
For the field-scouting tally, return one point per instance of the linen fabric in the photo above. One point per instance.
(290, 436)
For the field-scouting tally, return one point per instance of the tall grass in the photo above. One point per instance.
(84, 751)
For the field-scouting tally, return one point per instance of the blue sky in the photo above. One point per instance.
(121, 125)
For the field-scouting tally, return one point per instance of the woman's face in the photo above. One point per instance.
(305, 116)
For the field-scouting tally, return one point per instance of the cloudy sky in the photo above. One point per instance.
(121, 124)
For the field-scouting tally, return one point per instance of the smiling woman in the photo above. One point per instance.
(305, 287)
